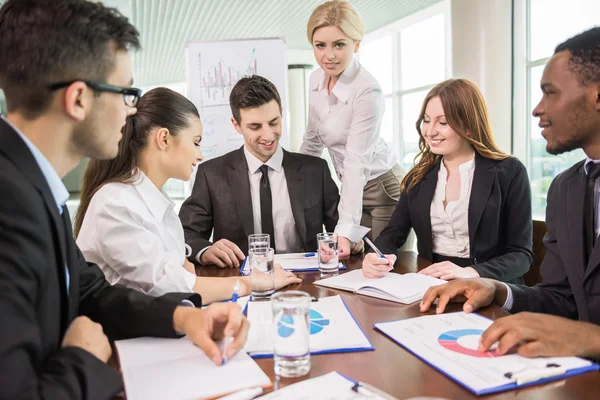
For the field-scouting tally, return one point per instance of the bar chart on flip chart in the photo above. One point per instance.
(214, 67)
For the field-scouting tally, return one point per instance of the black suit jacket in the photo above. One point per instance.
(221, 200)
(35, 306)
(500, 223)
(569, 287)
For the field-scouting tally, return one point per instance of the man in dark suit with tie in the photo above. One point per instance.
(259, 188)
(66, 73)
(569, 114)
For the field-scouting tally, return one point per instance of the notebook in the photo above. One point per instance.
(333, 329)
(156, 368)
(295, 262)
(405, 289)
(449, 342)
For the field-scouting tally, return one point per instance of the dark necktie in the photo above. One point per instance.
(593, 171)
(266, 205)
(68, 242)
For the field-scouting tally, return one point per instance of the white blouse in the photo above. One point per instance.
(134, 235)
(348, 123)
(450, 226)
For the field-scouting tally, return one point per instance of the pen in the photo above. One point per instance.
(244, 394)
(371, 392)
(228, 339)
(379, 253)
(295, 255)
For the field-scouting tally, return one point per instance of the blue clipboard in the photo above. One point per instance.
(341, 350)
(244, 271)
(502, 388)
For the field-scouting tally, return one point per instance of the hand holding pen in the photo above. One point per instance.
(228, 338)
(377, 265)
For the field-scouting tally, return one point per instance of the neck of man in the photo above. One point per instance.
(592, 150)
(57, 148)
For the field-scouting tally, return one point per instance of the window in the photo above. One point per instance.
(408, 58)
(548, 23)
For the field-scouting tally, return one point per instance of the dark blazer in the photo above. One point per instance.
(221, 200)
(500, 223)
(35, 306)
(569, 287)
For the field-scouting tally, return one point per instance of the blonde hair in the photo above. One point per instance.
(338, 13)
(466, 113)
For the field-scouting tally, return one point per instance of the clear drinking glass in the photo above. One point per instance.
(262, 277)
(292, 331)
(328, 254)
(259, 241)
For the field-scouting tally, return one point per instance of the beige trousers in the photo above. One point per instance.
(380, 198)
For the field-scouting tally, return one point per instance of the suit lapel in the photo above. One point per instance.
(575, 204)
(483, 181)
(21, 156)
(240, 184)
(423, 201)
(295, 183)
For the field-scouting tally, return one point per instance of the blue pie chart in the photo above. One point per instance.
(285, 326)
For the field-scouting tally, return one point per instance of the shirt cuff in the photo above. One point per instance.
(509, 299)
(353, 232)
(199, 255)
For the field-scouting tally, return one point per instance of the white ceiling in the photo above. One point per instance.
(165, 26)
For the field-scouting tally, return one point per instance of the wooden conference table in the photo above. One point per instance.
(389, 366)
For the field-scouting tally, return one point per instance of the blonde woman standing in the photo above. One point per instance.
(346, 106)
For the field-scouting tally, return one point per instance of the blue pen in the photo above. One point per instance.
(379, 253)
(228, 339)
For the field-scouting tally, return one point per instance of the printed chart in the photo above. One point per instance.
(285, 326)
(465, 341)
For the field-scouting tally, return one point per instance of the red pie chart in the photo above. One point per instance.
(450, 340)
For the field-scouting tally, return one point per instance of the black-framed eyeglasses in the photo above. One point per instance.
(130, 95)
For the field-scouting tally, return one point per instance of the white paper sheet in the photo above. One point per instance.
(332, 328)
(155, 368)
(331, 386)
(449, 342)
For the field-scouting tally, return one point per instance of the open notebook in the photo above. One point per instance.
(405, 289)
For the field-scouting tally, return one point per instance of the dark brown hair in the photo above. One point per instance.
(251, 92)
(159, 108)
(45, 42)
(466, 113)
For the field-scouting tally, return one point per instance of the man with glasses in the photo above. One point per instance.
(66, 73)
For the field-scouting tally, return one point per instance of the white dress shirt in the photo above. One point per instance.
(286, 236)
(348, 123)
(450, 225)
(134, 235)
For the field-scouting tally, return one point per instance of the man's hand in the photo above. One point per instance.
(374, 266)
(540, 335)
(476, 293)
(89, 336)
(344, 248)
(223, 253)
(205, 326)
(447, 271)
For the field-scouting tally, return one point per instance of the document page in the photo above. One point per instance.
(155, 368)
(331, 386)
(449, 343)
(332, 327)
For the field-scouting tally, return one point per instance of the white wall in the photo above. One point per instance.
(482, 53)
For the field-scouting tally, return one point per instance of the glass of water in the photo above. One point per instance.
(262, 276)
(259, 241)
(292, 332)
(328, 254)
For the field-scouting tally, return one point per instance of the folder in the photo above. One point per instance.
(448, 343)
(289, 263)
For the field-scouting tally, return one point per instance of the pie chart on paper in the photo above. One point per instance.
(465, 341)
(285, 326)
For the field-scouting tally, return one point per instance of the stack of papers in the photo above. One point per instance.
(333, 329)
(405, 289)
(449, 342)
(175, 369)
(328, 386)
(295, 262)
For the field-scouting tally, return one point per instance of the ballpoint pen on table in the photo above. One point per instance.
(379, 253)
(371, 392)
(228, 339)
